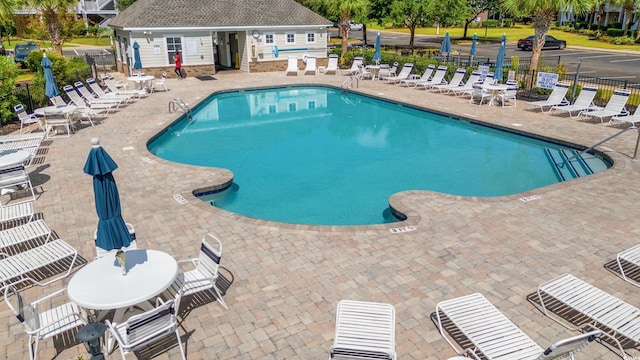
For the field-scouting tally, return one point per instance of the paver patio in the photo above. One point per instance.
(286, 280)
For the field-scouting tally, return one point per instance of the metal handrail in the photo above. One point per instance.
(181, 105)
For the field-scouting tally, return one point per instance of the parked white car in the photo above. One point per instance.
(354, 27)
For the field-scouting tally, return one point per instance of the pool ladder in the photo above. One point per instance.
(348, 83)
(177, 104)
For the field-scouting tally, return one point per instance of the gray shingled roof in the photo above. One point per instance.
(208, 13)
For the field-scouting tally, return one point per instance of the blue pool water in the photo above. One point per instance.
(314, 155)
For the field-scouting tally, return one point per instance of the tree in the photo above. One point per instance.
(474, 9)
(345, 10)
(409, 13)
(54, 13)
(542, 13)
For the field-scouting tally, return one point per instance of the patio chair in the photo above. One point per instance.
(24, 234)
(100, 93)
(402, 75)
(629, 119)
(332, 65)
(455, 82)
(292, 65)
(412, 80)
(41, 325)
(133, 245)
(93, 99)
(590, 307)
(556, 98)
(479, 94)
(629, 264)
(311, 66)
(436, 79)
(355, 66)
(19, 266)
(365, 73)
(15, 178)
(143, 329)
(26, 119)
(491, 335)
(364, 330)
(56, 120)
(584, 101)
(160, 83)
(615, 106)
(386, 72)
(509, 95)
(467, 88)
(204, 275)
(14, 212)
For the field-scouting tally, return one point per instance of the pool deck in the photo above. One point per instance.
(286, 280)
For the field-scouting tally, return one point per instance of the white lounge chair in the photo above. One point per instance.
(19, 212)
(40, 324)
(629, 264)
(93, 109)
(332, 65)
(493, 336)
(114, 86)
(292, 65)
(14, 178)
(454, 83)
(355, 66)
(364, 330)
(20, 137)
(436, 79)
(140, 330)
(615, 106)
(92, 99)
(26, 119)
(311, 66)
(629, 119)
(204, 275)
(19, 266)
(618, 320)
(414, 79)
(556, 98)
(402, 75)
(28, 144)
(467, 88)
(100, 93)
(24, 234)
(584, 101)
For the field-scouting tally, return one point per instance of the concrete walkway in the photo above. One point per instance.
(286, 280)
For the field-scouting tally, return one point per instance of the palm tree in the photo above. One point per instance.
(52, 11)
(543, 12)
(345, 10)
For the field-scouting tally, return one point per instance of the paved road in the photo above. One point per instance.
(619, 65)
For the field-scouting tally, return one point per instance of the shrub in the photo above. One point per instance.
(8, 75)
(615, 32)
(582, 25)
(614, 25)
(491, 23)
(623, 40)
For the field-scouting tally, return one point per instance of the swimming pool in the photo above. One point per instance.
(315, 155)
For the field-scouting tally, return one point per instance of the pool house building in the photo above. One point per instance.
(253, 36)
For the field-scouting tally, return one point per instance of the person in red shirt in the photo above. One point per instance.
(178, 61)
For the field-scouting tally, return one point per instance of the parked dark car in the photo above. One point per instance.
(21, 51)
(550, 43)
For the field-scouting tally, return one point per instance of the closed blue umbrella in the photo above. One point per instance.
(446, 44)
(376, 54)
(137, 63)
(497, 73)
(112, 230)
(50, 87)
(474, 39)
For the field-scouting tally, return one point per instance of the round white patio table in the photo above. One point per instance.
(67, 109)
(495, 90)
(142, 81)
(100, 285)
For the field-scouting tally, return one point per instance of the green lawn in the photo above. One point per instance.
(103, 42)
(513, 34)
